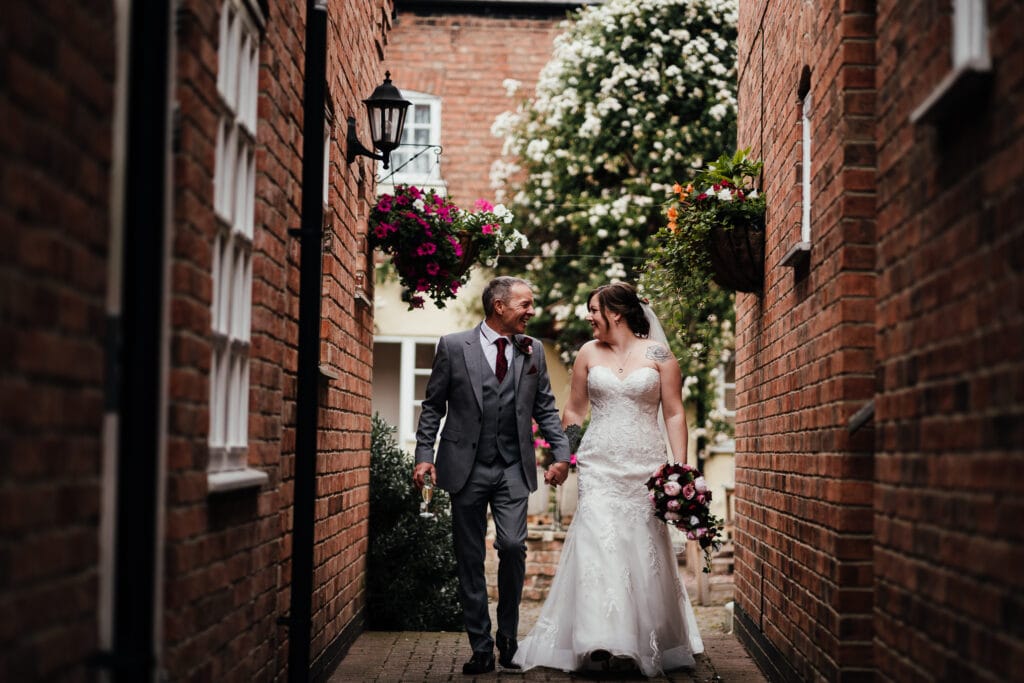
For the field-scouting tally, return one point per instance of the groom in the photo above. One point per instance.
(490, 381)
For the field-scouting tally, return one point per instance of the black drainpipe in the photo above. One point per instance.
(310, 236)
(139, 389)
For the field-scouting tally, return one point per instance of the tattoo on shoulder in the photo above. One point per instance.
(658, 353)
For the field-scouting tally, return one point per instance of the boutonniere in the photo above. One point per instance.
(525, 345)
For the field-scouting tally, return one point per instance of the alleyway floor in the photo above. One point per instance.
(409, 657)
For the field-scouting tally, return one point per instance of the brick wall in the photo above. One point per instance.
(464, 57)
(950, 352)
(228, 555)
(805, 348)
(56, 105)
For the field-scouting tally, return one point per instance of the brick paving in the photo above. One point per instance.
(412, 657)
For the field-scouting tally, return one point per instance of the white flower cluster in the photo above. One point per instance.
(637, 95)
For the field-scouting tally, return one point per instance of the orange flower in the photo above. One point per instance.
(677, 188)
(672, 226)
(672, 213)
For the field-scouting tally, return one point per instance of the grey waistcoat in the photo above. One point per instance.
(498, 434)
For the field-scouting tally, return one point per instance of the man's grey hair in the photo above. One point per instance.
(499, 289)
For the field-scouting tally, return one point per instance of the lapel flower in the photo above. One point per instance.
(524, 344)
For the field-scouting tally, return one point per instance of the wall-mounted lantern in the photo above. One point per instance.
(386, 109)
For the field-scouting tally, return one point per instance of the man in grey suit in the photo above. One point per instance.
(490, 381)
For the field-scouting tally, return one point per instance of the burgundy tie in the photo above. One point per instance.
(501, 364)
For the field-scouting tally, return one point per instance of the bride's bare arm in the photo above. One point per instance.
(576, 407)
(671, 399)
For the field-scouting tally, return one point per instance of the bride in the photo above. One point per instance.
(616, 595)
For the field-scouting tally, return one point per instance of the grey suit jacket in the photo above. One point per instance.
(454, 389)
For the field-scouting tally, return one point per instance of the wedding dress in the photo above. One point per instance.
(617, 586)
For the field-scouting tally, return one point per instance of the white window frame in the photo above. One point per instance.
(234, 196)
(805, 164)
(327, 158)
(432, 178)
(970, 35)
(721, 386)
(407, 374)
(969, 57)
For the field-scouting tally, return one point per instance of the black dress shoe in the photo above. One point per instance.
(479, 663)
(506, 650)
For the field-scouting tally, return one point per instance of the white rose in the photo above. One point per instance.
(700, 485)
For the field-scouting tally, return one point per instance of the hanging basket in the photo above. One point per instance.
(737, 256)
(470, 251)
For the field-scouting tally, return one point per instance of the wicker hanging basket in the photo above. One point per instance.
(737, 256)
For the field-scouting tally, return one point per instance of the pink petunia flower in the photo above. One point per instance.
(487, 229)
(433, 268)
(483, 205)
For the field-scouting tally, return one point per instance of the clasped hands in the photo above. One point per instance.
(556, 474)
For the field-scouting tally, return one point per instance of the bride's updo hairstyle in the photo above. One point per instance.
(621, 298)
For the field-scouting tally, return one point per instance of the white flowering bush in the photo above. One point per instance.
(637, 95)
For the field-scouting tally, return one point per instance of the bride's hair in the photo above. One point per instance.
(621, 298)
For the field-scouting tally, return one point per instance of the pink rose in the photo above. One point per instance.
(673, 504)
(672, 488)
(689, 491)
(700, 485)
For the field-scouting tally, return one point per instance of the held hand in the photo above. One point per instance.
(556, 474)
(421, 469)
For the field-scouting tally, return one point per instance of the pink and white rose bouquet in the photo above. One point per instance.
(681, 497)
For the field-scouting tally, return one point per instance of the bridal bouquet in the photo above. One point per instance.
(681, 498)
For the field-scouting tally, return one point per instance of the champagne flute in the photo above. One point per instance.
(427, 492)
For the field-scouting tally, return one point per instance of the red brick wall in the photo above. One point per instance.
(949, 548)
(464, 58)
(805, 347)
(56, 106)
(228, 555)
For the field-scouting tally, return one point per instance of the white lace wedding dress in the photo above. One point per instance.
(617, 587)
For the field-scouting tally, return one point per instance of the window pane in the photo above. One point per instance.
(224, 287)
(218, 246)
(730, 397)
(425, 356)
(246, 305)
(216, 400)
(222, 52)
(420, 391)
(231, 65)
(421, 113)
(238, 293)
(422, 136)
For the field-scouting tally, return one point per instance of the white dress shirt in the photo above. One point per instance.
(488, 337)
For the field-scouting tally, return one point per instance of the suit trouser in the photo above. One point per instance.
(503, 487)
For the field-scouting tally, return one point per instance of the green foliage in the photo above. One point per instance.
(638, 94)
(411, 579)
(721, 196)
